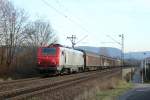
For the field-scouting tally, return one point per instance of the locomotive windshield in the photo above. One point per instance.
(49, 51)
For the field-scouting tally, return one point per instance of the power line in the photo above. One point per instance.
(113, 39)
(61, 5)
(81, 39)
(46, 3)
(73, 40)
(64, 15)
(66, 9)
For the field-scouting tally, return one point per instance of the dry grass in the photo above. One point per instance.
(111, 94)
(105, 90)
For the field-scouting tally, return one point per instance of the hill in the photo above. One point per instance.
(137, 55)
(107, 51)
(116, 53)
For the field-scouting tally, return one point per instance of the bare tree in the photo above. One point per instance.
(39, 33)
(12, 23)
(16, 33)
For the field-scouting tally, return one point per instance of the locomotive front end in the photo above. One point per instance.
(48, 59)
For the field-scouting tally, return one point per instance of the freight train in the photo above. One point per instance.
(59, 59)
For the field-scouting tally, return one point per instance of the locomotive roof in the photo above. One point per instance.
(55, 45)
(59, 45)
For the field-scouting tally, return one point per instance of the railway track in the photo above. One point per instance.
(38, 86)
(17, 81)
(23, 83)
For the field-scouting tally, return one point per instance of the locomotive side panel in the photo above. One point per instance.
(71, 59)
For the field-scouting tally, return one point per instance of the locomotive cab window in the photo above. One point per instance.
(49, 51)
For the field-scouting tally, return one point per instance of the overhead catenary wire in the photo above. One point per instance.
(81, 39)
(113, 39)
(46, 3)
(62, 7)
(66, 16)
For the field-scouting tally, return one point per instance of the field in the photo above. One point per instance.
(108, 90)
(111, 94)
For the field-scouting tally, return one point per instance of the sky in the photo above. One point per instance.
(95, 21)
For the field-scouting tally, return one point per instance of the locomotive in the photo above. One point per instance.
(59, 59)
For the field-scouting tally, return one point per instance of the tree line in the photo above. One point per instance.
(17, 32)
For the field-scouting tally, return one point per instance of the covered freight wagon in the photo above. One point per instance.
(92, 61)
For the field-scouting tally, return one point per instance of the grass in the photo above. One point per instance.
(111, 94)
